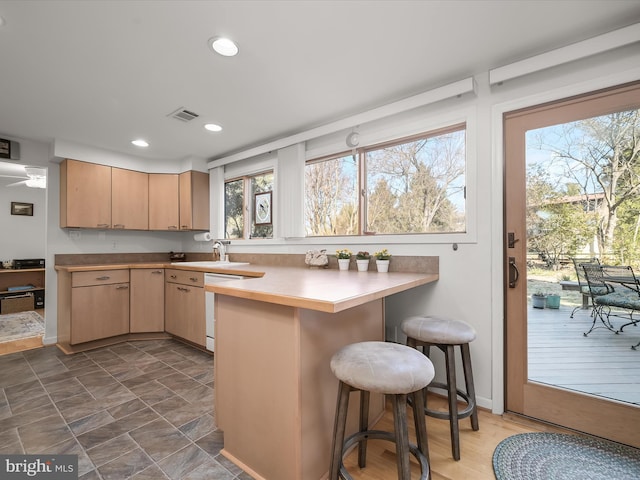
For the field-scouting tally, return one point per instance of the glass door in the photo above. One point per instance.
(572, 191)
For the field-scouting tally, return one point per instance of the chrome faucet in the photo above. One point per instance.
(219, 245)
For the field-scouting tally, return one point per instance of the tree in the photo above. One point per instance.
(557, 225)
(421, 176)
(331, 197)
(602, 155)
(234, 208)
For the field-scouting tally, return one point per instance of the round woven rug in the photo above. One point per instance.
(555, 456)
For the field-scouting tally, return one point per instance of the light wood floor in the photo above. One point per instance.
(20, 345)
(476, 447)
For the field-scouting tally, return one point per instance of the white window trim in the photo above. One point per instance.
(411, 123)
(380, 134)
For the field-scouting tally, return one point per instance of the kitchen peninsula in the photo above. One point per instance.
(275, 393)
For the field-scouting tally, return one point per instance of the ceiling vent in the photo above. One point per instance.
(183, 115)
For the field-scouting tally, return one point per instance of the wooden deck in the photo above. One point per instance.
(602, 363)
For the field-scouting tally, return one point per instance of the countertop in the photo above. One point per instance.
(244, 270)
(325, 290)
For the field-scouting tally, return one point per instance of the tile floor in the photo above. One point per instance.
(139, 410)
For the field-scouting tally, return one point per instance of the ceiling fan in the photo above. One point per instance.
(34, 177)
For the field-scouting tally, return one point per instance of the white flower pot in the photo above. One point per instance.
(363, 265)
(383, 266)
(343, 263)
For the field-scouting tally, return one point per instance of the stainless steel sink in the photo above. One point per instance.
(211, 264)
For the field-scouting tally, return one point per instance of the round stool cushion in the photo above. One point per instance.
(382, 367)
(438, 330)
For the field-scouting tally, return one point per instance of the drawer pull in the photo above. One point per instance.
(173, 276)
(122, 287)
(193, 279)
(106, 277)
(156, 271)
(183, 289)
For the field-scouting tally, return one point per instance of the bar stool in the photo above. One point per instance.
(446, 334)
(387, 368)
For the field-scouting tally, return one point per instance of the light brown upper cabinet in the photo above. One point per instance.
(164, 209)
(99, 196)
(129, 199)
(85, 195)
(194, 201)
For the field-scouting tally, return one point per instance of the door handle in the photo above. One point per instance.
(514, 274)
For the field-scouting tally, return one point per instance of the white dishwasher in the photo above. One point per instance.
(210, 279)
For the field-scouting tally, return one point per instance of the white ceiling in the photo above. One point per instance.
(102, 73)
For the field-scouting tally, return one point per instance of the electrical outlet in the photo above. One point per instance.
(74, 234)
(114, 245)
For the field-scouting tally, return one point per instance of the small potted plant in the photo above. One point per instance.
(538, 299)
(382, 260)
(344, 257)
(362, 260)
(553, 301)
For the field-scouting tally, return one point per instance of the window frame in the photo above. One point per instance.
(360, 153)
(247, 204)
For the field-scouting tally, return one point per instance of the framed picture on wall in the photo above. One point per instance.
(262, 208)
(20, 208)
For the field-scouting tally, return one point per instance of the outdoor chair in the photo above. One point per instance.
(583, 286)
(625, 283)
(611, 287)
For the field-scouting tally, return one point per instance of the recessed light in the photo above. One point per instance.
(140, 143)
(223, 46)
(212, 127)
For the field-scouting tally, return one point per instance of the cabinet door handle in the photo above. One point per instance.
(122, 287)
(156, 271)
(106, 277)
(184, 226)
(103, 225)
(172, 227)
(183, 289)
(118, 225)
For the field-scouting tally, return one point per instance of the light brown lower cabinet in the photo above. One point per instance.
(147, 300)
(185, 305)
(99, 305)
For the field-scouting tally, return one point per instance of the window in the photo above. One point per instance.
(410, 186)
(248, 209)
(331, 196)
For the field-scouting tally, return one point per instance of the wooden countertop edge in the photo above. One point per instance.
(120, 266)
(317, 304)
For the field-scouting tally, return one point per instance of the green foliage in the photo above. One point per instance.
(597, 160)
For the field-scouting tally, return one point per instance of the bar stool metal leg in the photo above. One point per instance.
(339, 428)
(468, 380)
(417, 399)
(452, 395)
(399, 403)
(364, 426)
